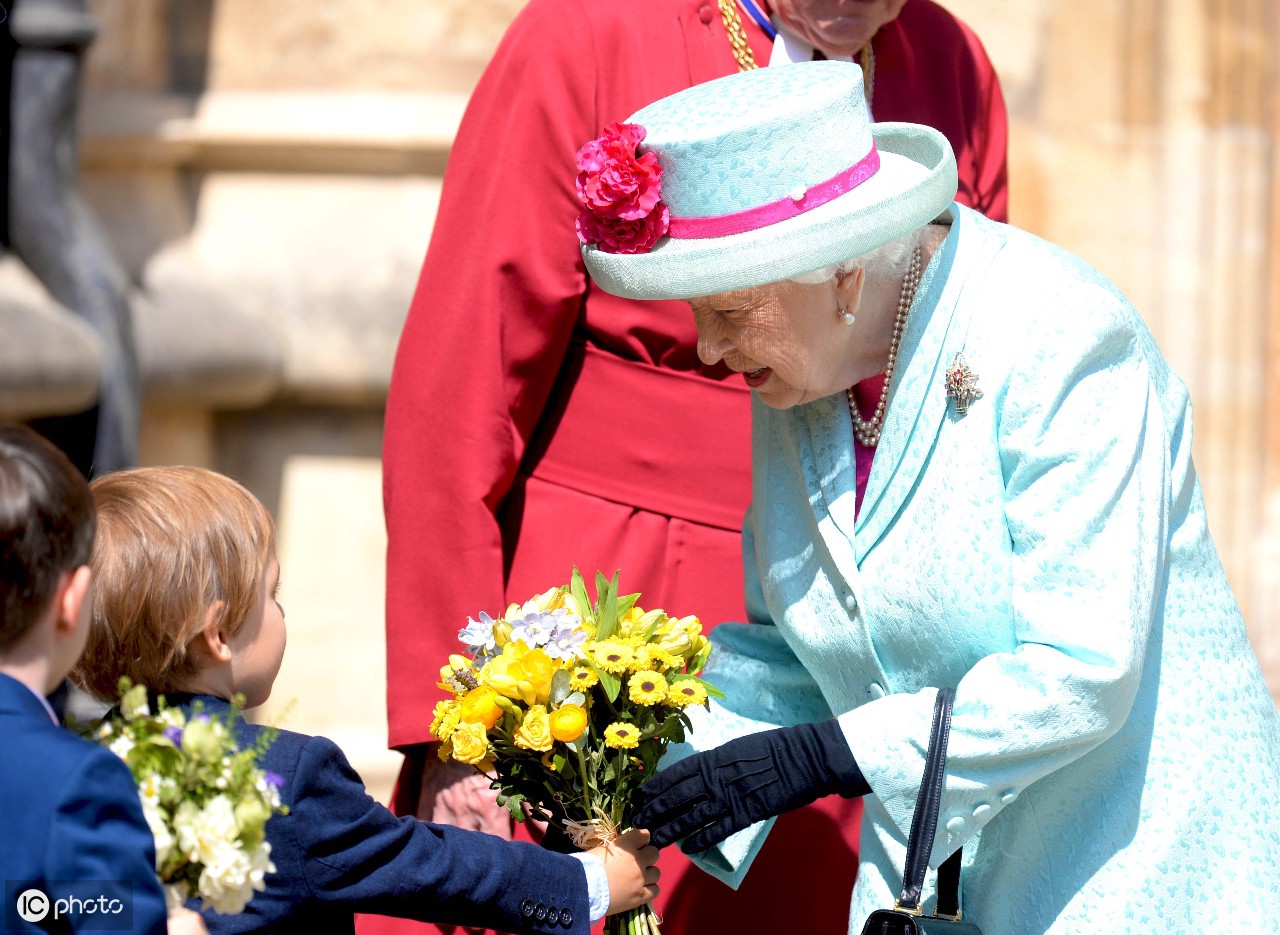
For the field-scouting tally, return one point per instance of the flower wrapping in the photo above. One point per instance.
(621, 192)
(206, 800)
(568, 705)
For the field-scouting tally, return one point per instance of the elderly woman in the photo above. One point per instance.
(971, 469)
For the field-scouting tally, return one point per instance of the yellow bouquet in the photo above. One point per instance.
(568, 705)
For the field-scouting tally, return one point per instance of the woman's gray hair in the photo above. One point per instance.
(889, 261)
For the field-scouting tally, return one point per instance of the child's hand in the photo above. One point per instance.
(186, 922)
(629, 863)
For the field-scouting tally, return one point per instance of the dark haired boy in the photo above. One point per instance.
(75, 849)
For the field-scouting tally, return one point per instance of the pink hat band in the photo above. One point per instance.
(793, 205)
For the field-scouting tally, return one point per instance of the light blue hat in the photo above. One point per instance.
(771, 173)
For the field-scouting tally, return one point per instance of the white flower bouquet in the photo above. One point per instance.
(206, 799)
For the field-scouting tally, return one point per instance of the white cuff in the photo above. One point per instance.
(597, 885)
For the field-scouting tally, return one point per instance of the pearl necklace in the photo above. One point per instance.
(868, 432)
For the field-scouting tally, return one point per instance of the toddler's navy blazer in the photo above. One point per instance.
(338, 852)
(69, 811)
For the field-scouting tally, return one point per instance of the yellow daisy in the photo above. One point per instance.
(687, 692)
(655, 657)
(647, 687)
(583, 677)
(612, 656)
(621, 736)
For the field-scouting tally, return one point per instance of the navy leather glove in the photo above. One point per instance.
(710, 795)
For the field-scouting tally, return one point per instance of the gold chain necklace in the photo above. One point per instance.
(868, 431)
(747, 60)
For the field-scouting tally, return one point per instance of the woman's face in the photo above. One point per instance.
(786, 339)
(837, 27)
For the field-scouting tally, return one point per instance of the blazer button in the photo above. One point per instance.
(527, 908)
(541, 913)
(553, 915)
(566, 918)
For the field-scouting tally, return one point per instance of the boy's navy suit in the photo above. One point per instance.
(338, 852)
(69, 813)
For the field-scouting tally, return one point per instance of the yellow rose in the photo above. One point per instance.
(536, 668)
(480, 706)
(535, 732)
(521, 673)
(470, 743)
(568, 722)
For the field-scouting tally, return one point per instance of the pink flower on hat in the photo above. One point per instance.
(616, 236)
(621, 192)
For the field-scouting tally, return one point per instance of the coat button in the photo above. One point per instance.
(955, 825)
(982, 811)
(705, 13)
(566, 918)
(850, 601)
(1008, 796)
(541, 913)
(875, 690)
(527, 908)
(553, 915)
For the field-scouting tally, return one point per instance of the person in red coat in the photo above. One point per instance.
(535, 423)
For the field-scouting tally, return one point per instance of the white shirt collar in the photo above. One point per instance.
(44, 703)
(788, 49)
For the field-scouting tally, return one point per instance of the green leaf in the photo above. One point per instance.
(611, 684)
(561, 686)
(626, 602)
(699, 661)
(672, 730)
(607, 609)
(578, 588)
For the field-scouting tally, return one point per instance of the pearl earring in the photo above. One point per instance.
(846, 316)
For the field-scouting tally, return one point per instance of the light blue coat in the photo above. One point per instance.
(1114, 762)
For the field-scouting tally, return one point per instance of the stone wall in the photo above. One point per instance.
(288, 155)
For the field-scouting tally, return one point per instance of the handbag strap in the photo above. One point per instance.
(924, 823)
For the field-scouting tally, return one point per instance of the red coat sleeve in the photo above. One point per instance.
(495, 305)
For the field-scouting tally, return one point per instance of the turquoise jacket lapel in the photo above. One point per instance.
(918, 403)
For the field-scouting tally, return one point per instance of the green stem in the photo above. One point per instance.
(586, 784)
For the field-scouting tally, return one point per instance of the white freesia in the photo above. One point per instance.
(154, 814)
(121, 746)
(231, 877)
(204, 832)
(149, 789)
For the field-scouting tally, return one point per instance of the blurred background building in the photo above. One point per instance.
(266, 171)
